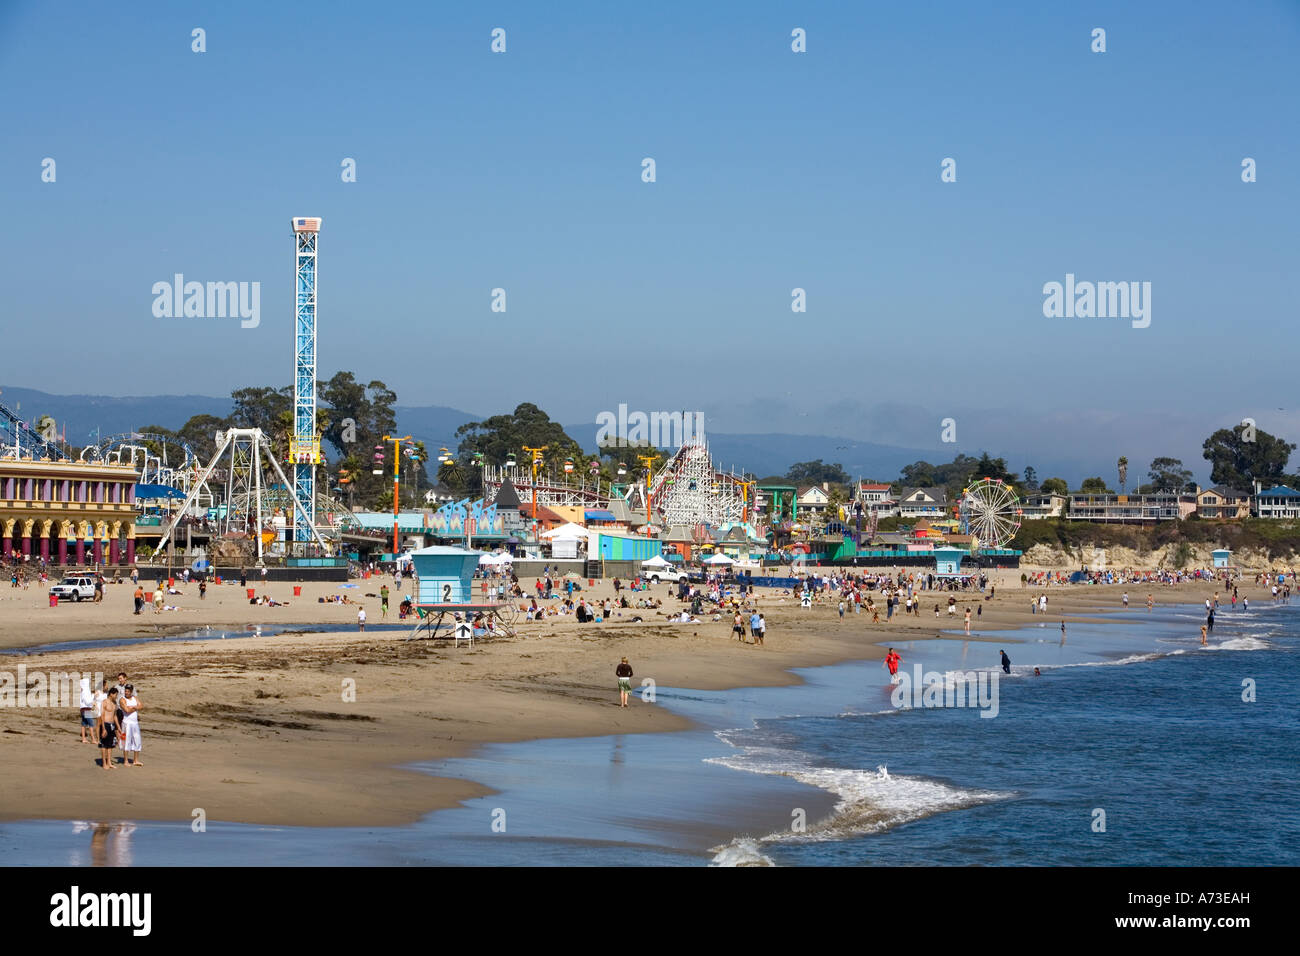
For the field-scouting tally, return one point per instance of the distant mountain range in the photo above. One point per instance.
(83, 417)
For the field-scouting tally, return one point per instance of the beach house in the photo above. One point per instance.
(1042, 505)
(1277, 502)
(923, 503)
(1126, 509)
(1222, 501)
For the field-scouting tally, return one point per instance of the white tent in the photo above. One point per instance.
(567, 532)
(719, 559)
(494, 560)
(657, 561)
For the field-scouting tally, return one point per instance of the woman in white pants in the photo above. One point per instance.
(131, 727)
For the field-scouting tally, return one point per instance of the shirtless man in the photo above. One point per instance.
(106, 728)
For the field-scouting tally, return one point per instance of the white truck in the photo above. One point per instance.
(655, 572)
(76, 588)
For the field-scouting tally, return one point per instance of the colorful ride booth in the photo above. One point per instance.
(444, 589)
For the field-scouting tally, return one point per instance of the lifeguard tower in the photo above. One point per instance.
(444, 585)
(1222, 557)
(947, 561)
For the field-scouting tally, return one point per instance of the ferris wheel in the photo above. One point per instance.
(990, 512)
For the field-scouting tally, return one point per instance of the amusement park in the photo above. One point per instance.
(152, 500)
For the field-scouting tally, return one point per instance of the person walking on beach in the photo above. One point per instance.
(762, 629)
(1006, 663)
(624, 674)
(383, 602)
(967, 620)
(361, 619)
(131, 727)
(158, 600)
(139, 599)
(106, 728)
(203, 589)
(1126, 600)
(738, 627)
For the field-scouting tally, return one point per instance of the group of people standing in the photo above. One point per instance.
(111, 715)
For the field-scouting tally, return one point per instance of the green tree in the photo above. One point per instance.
(815, 472)
(1030, 481)
(1239, 462)
(1094, 486)
(501, 436)
(1054, 486)
(1168, 476)
(1122, 466)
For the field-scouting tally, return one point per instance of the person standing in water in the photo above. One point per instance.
(892, 660)
(1006, 663)
(1204, 642)
(624, 674)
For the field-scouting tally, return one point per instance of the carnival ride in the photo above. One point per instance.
(689, 489)
(22, 437)
(990, 513)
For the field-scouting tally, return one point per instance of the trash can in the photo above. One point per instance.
(591, 582)
(218, 579)
(54, 600)
(252, 593)
(297, 590)
(171, 582)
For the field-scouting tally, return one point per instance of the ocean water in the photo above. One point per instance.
(1130, 718)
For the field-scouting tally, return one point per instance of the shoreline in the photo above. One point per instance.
(251, 731)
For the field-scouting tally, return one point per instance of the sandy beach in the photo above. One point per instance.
(263, 729)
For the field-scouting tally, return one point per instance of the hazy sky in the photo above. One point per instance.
(775, 170)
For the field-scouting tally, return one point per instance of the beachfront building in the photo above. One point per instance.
(872, 493)
(923, 503)
(1278, 502)
(67, 512)
(1127, 509)
(814, 499)
(1040, 505)
(1222, 502)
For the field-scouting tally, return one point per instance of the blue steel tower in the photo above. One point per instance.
(304, 450)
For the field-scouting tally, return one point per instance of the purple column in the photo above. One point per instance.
(98, 551)
(45, 548)
(6, 546)
(63, 550)
(27, 546)
(113, 554)
(130, 550)
(81, 551)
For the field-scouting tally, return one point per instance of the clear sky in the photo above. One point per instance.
(775, 170)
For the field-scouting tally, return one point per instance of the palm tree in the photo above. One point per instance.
(1123, 473)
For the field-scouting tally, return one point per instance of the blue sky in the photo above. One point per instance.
(775, 170)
